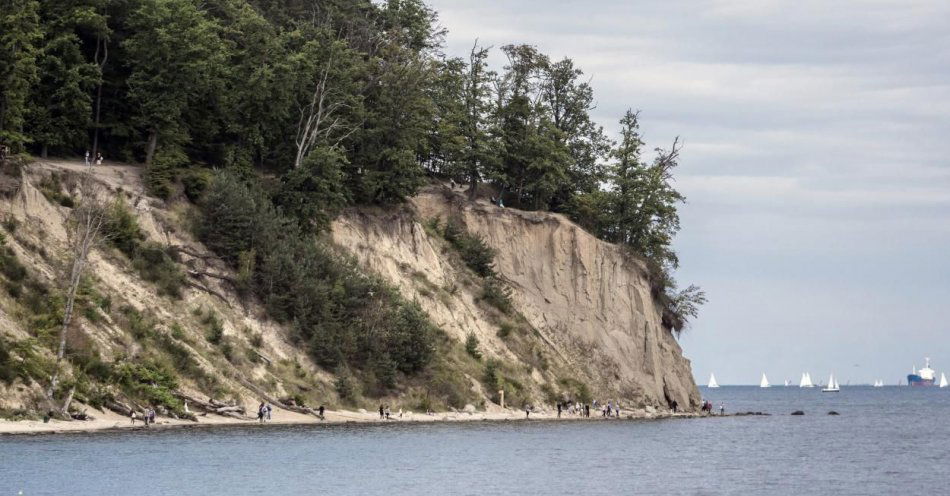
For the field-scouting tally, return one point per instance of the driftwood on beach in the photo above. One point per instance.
(214, 406)
(270, 399)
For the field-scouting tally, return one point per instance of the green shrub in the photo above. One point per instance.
(195, 182)
(471, 346)
(10, 266)
(214, 328)
(473, 250)
(158, 265)
(150, 381)
(496, 294)
(161, 174)
(122, 228)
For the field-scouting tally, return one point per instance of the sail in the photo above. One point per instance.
(765, 382)
(712, 381)
(943, 380)
(806, 380)
(831, 382)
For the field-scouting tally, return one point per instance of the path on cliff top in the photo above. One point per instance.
(116, 175)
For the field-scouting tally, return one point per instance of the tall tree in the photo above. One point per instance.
(644, 212)
(20, 34)
(61, 101)
(570, 100)
(534, 157)
(174, 56)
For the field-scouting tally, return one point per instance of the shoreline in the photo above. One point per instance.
(110, 423)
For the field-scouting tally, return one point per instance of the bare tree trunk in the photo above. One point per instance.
(69, 399)
(318, 120)
(84, 229)
(102, 65)
(152, 144)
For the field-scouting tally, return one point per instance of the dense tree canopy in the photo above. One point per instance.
(323, 104)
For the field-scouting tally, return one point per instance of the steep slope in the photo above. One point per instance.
(582, 323)
(588, 304)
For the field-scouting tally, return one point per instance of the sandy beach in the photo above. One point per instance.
(108, 421)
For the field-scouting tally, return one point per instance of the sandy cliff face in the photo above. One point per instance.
(590, 303)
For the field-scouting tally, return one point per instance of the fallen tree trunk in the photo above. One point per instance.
(270, 399)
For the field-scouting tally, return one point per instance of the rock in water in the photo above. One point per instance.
(833, 413)
(798, 412)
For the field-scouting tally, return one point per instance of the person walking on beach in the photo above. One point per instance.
(98, 158)
(260, 413)
(87, 157)
(269, 409)
(586, 410)
(527, 411)
(673, 405)
(722, 409)
(387, 412)
(381, 412)
(151, 416)
(321, 412)
(558, 409)
(132, 416)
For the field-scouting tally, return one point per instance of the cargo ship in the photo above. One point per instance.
(922, 377)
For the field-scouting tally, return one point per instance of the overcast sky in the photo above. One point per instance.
(817, 137)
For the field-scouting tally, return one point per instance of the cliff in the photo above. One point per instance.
(587, 302)
(582, 323)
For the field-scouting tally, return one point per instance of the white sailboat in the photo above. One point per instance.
(879, 383)
(833, 386)
(806, 381)
(788, 383)
(943, 380)
(764, 382)
(712, 381)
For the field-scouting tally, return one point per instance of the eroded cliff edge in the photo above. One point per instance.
(587, 302)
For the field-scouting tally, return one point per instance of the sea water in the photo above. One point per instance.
(887, 440)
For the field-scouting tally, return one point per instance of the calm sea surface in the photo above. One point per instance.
(886, 441)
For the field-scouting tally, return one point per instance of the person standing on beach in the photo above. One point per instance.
(558, 409)
(132, 416)
(722, 409)
(269, 409)
(673, 405)
(380, 412)
(151, 415)
(527, 411)
(87, 157)
(260, 413)
(321, 412)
